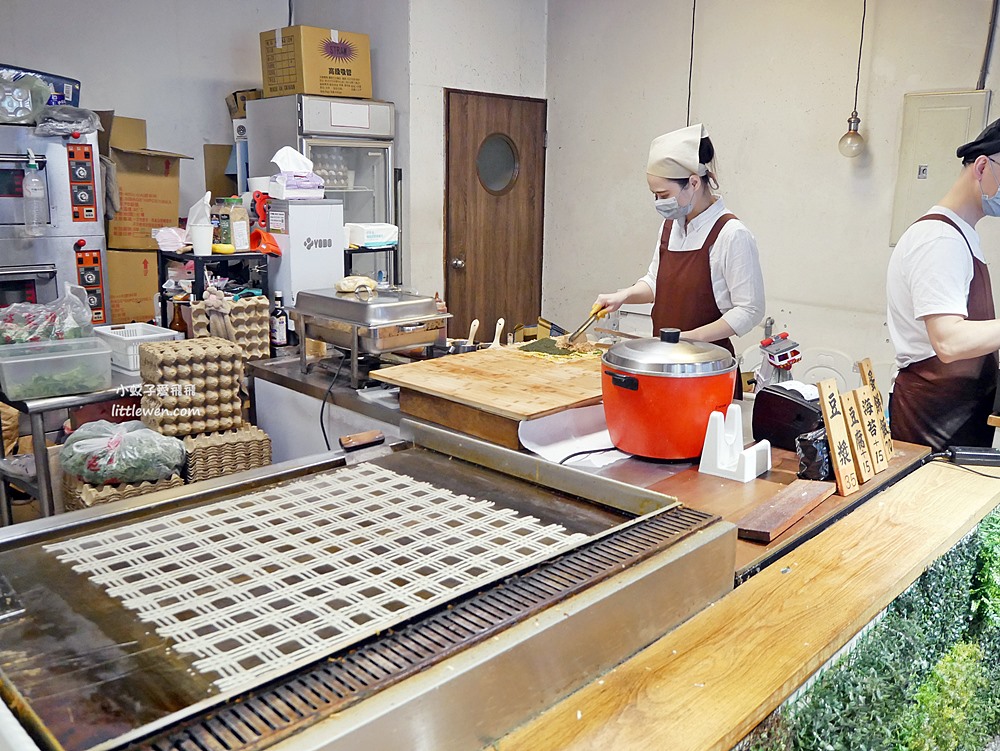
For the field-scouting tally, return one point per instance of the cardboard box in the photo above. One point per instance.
(148, 182)
(237, 102)
(311, 60)
(133, 283)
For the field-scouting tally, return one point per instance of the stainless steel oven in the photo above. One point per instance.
(71, 246)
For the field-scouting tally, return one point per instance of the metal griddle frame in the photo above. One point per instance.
(255, 719)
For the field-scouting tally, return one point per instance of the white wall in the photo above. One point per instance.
(171, 62)
(774, 83)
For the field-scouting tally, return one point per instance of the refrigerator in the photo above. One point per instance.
(350, 142)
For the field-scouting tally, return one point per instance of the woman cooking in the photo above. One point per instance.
(705, 276)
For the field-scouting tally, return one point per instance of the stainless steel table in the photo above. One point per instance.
(35, 409)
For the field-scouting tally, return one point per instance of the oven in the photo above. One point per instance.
(71, 245)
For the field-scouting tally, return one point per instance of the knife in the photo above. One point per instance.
(595, 312)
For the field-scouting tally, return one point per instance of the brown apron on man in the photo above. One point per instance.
(942, 404)
(684, 297)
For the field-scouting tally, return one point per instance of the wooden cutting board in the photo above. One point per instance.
(488, 392)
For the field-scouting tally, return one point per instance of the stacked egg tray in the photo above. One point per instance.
(216, 454)
(191, 386)
(78, 494)
(250, 317)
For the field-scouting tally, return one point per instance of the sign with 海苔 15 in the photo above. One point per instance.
(858, 438)
(868, 379)
(869, 414)
(837, 437)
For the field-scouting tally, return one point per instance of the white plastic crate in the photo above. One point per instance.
(124, 340)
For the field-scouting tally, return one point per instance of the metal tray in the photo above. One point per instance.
(382, 307)
(374, 341)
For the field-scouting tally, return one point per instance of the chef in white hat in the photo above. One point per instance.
(705, 276)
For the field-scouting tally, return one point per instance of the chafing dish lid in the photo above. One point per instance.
(378, 308)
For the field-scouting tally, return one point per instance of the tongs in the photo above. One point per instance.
(598, 311)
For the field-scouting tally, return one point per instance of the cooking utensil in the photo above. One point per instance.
(619, 334)
(659, 393)
(597, 311)
(496, 336)
(473, 329)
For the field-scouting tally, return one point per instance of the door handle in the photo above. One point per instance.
(458, 263)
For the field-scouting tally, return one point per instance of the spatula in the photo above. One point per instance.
(472, 330)
(496, 337)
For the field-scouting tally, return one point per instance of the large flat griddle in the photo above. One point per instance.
(82, 670)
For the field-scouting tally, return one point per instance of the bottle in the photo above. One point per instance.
(35, 199)
(279, 323)
(225, 233)
(177, 323)
(214, 219)
(239, 225)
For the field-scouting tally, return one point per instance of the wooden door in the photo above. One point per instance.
(495, 179)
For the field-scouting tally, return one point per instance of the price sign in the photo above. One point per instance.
(837, 436)
(868, 379)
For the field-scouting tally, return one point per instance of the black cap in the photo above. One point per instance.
(988, 142)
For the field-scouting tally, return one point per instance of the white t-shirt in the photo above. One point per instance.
(737, 281)
(929, 273)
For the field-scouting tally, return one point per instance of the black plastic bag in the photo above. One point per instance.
(813, 451)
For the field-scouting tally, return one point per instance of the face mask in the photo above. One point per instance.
(991, 204)
(670, 208)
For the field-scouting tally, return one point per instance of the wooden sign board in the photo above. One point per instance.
(868, 379)
(869, 415)
(856, 434)
(836, 435)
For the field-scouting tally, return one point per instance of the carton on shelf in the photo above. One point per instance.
(313, 60)
(132, 285)
(148, 182)
(237, 102)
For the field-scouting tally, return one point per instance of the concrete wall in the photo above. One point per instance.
(774, 83)
(171, 62)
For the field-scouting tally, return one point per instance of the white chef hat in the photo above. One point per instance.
(675, 155)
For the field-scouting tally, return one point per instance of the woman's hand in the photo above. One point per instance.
(637, 293)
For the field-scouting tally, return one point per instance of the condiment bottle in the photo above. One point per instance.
(279, 323)
(214, 218)
(177, 323)
(239, 225)
(225, 233)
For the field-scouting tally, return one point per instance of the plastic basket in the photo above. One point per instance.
(124, 340)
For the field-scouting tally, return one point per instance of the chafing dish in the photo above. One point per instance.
(366, 321)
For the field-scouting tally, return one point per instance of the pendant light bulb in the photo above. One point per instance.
(852, 143)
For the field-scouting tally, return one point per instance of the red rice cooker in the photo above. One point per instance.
(660, 392)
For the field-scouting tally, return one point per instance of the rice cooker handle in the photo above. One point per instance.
(623, 381)
(670, 335)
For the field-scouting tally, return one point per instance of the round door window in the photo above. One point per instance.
(496, 163)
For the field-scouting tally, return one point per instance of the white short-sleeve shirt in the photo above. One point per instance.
(737, 281)
(929, 273)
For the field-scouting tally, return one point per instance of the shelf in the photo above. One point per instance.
(348, 190)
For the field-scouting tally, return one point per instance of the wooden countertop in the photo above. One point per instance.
(706, 684)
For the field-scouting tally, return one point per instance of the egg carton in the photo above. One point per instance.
(184, 360)
(210, 413)
(78, 494)
(216, 454)
(250, 318)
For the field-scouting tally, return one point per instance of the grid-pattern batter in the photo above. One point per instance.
(254, 585)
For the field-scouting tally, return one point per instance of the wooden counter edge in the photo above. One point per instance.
(709, 682)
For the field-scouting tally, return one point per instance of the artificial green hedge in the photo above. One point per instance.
(924, 677)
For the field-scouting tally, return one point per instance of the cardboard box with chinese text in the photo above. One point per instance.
(148, 182)
(312, 60)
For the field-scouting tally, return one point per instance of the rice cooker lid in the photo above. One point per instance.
(669, 354)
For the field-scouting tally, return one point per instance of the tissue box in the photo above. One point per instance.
(284, 186)
(312, 60)
(148, 181)
(372, 235)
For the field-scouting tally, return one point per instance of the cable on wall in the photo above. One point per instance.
(694, 10)
(289, 12)
(988, 53)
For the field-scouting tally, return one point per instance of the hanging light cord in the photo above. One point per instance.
(989, 47)
(694, 8)
(861, 44)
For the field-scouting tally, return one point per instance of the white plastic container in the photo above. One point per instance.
(124, 341)
(55, 368)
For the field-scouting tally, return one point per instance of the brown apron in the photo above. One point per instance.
(684, 297)
(946, 404)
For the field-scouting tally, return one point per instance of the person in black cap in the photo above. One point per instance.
(940, 311)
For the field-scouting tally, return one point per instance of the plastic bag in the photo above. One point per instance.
(62, 120)
(100, 452)
(813, 451)
(68, 317)
(23, 99)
